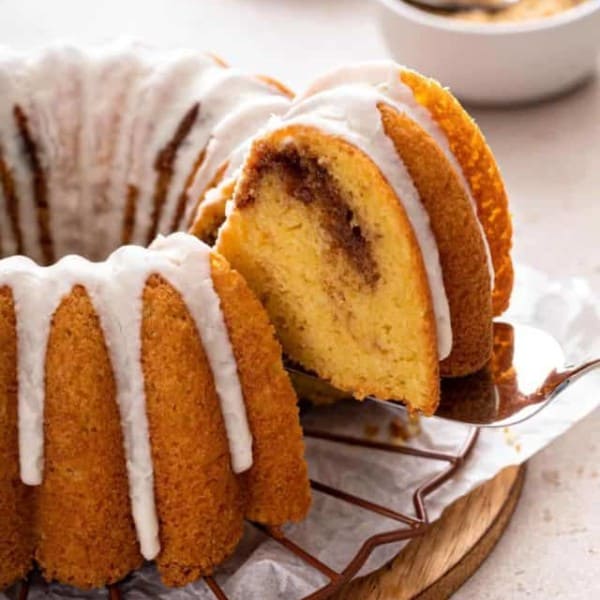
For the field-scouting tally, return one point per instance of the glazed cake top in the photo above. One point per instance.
(114, 145)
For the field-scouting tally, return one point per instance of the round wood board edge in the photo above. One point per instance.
(435, 565)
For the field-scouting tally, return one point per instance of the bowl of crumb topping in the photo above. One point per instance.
(529, 51)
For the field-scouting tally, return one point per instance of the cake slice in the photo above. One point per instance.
(375, 231)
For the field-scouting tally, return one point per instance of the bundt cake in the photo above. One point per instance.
(371, 221)
(144, 408)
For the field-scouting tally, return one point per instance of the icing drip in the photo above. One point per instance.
(175, 84)
(232, 135)
(350, 112)
(384, 77)
(192, 278)
(134, 73)
(111, 82)
(53, 89)
(232, 107)
(116, 290)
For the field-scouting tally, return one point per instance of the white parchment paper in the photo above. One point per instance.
(335, 530)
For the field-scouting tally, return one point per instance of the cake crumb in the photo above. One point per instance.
(414, 424)
(401, 430)
(511, 439)
(552, 477)
(371, 430)
(398, 430)
(276, 531)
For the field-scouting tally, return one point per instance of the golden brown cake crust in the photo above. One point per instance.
(85, 533)
(461, 250)
(199, 500)
(277, 484)
(16, 507)
(275, 83)
(481, 171)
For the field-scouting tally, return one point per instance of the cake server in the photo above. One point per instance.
(527, 372)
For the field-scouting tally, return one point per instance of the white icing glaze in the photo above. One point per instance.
(235, 123)
(164, 98)
(384, 76)
(53, 86)
(110, 86)
(350, 112)
(232, 107)
(118, 172)
(100, 117)
(116, 289)
(188, 270)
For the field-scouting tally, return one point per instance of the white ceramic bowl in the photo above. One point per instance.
(496, 63)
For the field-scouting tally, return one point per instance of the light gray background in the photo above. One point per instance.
(550, 157)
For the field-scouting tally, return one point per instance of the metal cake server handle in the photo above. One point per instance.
(525, 374)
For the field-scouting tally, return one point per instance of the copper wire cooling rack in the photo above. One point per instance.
(411, 526)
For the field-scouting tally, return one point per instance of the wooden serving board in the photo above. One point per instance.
(435, 565)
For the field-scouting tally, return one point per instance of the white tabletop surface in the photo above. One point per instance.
(550, 157)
